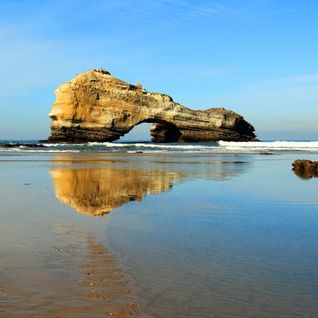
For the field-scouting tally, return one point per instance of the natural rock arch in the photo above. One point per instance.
(95, 106)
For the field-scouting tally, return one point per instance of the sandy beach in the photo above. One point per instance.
(158, 159)
(156, 235)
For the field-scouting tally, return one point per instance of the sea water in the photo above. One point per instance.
(202, 147)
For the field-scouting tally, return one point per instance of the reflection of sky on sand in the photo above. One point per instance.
(52, 263)
(256, 260)
(75, 276)
(103, 186)
(178, 248)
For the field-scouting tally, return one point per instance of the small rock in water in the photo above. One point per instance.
(305, 169)
(265, 153)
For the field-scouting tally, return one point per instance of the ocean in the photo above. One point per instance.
(149, 147)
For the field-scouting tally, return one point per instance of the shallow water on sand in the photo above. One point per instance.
(157, 235)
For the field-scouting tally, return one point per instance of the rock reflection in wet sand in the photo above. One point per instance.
(66, 272)
(96, 191)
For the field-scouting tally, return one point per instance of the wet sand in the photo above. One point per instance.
(135, 235)
(74, 276)
(51, 265)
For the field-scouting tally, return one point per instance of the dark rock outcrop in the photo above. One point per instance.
(305, 169)
(18, 145)
(95, 106)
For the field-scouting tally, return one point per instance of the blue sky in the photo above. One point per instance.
(256, 57)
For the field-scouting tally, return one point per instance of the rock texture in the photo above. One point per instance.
(305, 169)
(95, 106)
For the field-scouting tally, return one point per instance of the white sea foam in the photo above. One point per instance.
(148, 145)
(220, 147)
(55, 151)
(64, 145)
(128, 145)
(30, 150)
(252, 146)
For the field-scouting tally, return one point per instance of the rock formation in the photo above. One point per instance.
(305, 169)
(95, 106)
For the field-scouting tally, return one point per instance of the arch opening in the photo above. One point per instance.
(160, 131)
(138, 133)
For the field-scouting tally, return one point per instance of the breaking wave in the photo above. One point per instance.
(257, 146)
(147, 147)
(138, 146)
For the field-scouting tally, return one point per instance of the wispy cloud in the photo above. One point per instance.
(292, 81)
(190, 49)
(164, 11)
(70, 34)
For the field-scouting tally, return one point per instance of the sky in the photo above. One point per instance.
(256, 57)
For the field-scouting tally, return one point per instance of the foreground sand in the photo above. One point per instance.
(157, 235)
(51, 265)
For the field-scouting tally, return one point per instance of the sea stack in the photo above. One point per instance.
(95, 106)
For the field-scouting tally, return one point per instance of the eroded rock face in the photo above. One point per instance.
(95, 106)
